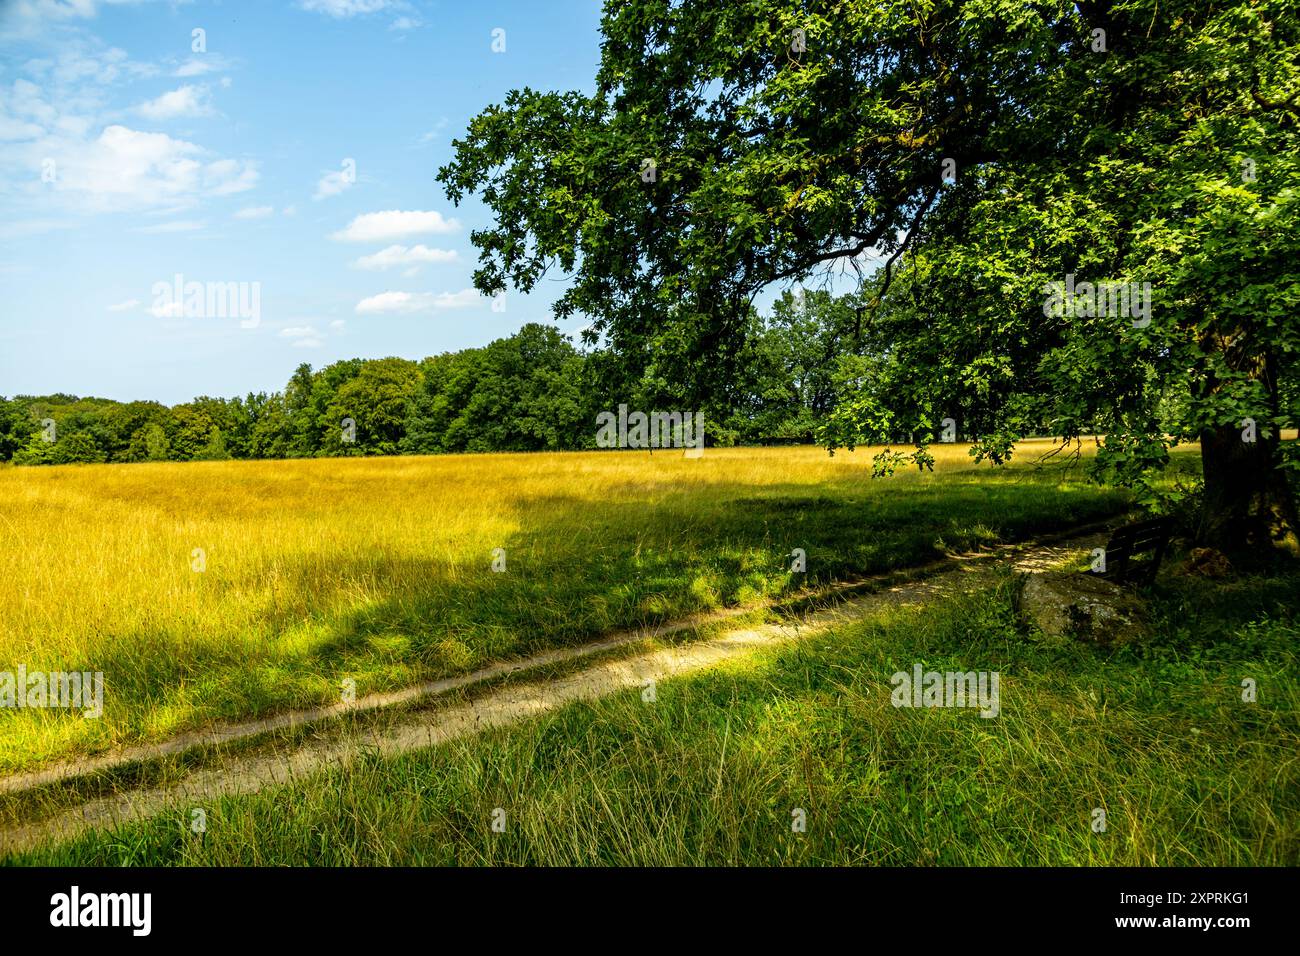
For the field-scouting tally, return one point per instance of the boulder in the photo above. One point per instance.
(1069, 605)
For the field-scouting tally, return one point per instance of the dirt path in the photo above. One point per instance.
(495, 708)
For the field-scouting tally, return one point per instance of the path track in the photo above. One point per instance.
(497, 707)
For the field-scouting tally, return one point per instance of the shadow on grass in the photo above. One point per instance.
(575, 569)
(712, 771)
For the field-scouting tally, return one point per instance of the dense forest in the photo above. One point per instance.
(535, 390)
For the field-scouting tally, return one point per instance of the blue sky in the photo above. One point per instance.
(127, 158)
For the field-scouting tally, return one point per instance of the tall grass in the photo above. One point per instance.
(1156, 735)
(380, 570)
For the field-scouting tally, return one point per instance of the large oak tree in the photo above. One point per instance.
(984, 148)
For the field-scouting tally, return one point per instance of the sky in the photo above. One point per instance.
(289, 148)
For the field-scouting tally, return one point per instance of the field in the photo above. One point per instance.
(710, 773)
(380, 571)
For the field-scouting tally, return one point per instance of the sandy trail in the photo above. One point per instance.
(497, 707)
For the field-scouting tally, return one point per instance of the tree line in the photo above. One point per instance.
(532, 391)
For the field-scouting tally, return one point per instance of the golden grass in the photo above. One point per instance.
(380, 567)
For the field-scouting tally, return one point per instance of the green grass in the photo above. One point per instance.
(378, 570)
(1155, 733)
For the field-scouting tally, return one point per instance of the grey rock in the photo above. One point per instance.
(1069, 605)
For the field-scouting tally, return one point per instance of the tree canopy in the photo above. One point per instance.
(981, 151)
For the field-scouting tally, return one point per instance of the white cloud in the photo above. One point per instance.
(123, 306)
(122, 169)
(304, 337)
(333, 183)
(201, 65)
(129, 166)
(396, 255)
(394, 224)
(173, 309)
(404, 303)
(388, 302)
(343, 9)
(405, 23)
(81, 76)
(66, 150)
(227, 176)
(12, 129)
(255, 212)
(337, 325)
(195, 66)
(187, 100)
(65, 147)
(25, 99)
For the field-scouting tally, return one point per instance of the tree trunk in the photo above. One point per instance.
(1249, 511)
